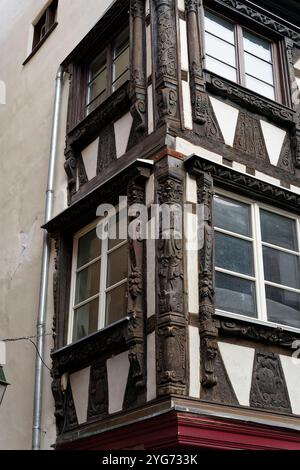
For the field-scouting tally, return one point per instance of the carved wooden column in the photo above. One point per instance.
(196, 54)
(136, 386)
(292, 52)
(208, 326)
(166, 55)
(171, 322)
(138, 75)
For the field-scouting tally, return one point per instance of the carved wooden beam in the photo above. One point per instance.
(166, 54)
(171, 322)
(208, 325)
(138, 92)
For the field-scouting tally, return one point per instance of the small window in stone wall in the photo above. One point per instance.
(44, 25)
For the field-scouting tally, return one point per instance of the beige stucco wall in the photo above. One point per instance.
(25, 127)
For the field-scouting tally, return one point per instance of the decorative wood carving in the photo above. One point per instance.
(166, 61)
(171, 322)
(244, 183)
(82, 175)
(58, 400)
(265, 20)
(71, 170)
(249, 137)
(248, 99)
(259, 333)
(98, 390)
(268, 390)
(290, 51)
(208, 328)
(285, 161)
(138, 93)
(106, 148)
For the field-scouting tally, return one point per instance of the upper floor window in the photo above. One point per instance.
(257, 261)
(108, 71)
(45, 23)
(237, 54)
(99, 280)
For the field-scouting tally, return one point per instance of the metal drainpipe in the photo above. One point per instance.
(41, 321)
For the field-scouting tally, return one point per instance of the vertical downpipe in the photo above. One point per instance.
(42, 313)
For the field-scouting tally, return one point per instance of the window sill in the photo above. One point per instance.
(258, 330)
(37, 47)
(80, 354)
(249, 99)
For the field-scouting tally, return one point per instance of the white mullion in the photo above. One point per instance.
(87, 265)
(118, 284)
(280, 248)
(283, 287)
(234, 273)
(72, 292)
(233, 234)
(115, 248)
(261, 293)
(103, 276)
(86, 301)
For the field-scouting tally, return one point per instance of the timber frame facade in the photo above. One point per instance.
(177, 151)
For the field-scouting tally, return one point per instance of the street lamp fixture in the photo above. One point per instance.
(3, 384)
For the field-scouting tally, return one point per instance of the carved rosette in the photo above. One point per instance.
(208, 326)
(166, 61)
(138, 87)
(171, 325)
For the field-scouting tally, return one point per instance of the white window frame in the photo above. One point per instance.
(103, 289)
(257, 244)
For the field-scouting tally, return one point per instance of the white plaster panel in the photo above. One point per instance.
(185, 147)
(267, 178)
(274, 137)
(187, 106)
(297, 64)
(295, 189)
(122, 132)
(147, 7)
(89, 156)
(239, 167)
(117, 375)
(191, 250)
(181, 5)
(238, 361)
(150, 110)
(191, 189)
(80, 382)
(2, 353)
(194, 353)
(150, 250)
(151, 367)
(227, 117)
(291, 370)
(184, 46)
(149, 51)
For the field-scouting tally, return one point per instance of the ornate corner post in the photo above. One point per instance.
(171, 329)
(71, 165)
(197, 80)
(166, 55)
(136, 386)
(208, 326)
(295, 98)
(138, 91)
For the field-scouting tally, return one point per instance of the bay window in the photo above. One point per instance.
(241, 56)
(99, 280)
(257, 269)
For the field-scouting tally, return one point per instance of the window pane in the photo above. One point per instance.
(97, 65)
(283, 306)
(219, 27)
(278, 230)
(85, 320)
(121, 64)
(257, 46)
(96, 102)
(221, 69)
(281, 268)
(89, 248)
(260, 87)
(115, 226)
(235, 295)
(98, 86)
(232, 215)
(116, 304)
(234, 254)
(220, 49)
(87, 282)
(117, 268)
(259, 69)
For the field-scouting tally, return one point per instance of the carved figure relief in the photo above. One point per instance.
(249, 137)
(98, 390)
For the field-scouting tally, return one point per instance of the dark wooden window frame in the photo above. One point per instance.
(79, 67)
(279, 61)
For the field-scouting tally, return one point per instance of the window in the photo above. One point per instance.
(237, 54)
(257, 261)
(99, 281)
(45, 23)
(108, 71)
